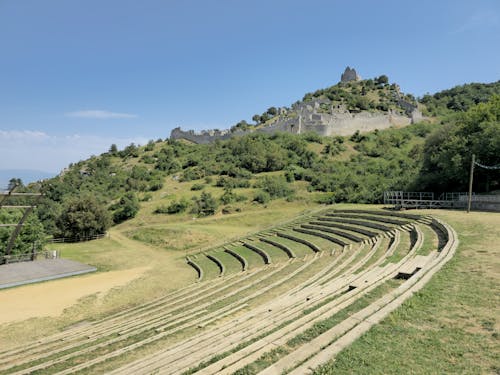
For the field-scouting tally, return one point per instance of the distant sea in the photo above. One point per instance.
(26, 176)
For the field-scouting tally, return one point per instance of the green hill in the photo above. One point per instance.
(459, 98)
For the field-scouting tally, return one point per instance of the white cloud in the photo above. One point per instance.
(22, 135)
(100, 114)
(28, 149)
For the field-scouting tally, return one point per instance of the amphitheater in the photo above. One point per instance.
(284, 300)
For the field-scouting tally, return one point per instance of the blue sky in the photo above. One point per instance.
(79, 75)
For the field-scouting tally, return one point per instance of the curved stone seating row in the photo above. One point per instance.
(285, 248)
(321, 222)
(368, 224)
(196, 267)
(219, 264)
(340, 233)
(345, 227)
(385, 213)
(233, 369)
(336, 240)
(242, 260)
(370, 218)
(309, 244)
(265, 256)
(201, 372)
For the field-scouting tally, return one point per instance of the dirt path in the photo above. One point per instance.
(51, 298)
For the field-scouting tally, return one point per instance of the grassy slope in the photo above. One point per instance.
(452, 325)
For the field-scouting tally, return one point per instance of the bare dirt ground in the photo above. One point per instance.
(51, 298)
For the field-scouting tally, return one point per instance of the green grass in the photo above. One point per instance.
(210, 269)
(430, 242)
(401, 250)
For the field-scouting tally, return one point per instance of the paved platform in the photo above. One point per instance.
(41, 270)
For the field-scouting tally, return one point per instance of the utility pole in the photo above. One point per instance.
(469, 201)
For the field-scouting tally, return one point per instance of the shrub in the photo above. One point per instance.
(155, 185)
(193, 173)
(327, 198)
(275, 186)
(126, 208)
(228, 197)
(357, 137)
(230, 209)
(197, 187)
(146, 197)
(262, 197)
(312, 137)
(229, 182)
(174, 207)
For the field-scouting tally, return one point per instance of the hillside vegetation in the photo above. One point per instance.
(459, 98)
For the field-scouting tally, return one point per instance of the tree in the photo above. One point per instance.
(272, 111)
(113, 150)
(448, 151)
(14, 182)
(31, 237)
(383, 79)
(82, 217)
(256, 119)
(127, 208)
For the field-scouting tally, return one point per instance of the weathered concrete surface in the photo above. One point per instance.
(15, 274)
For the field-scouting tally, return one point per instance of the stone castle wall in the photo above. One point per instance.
(324, 124)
